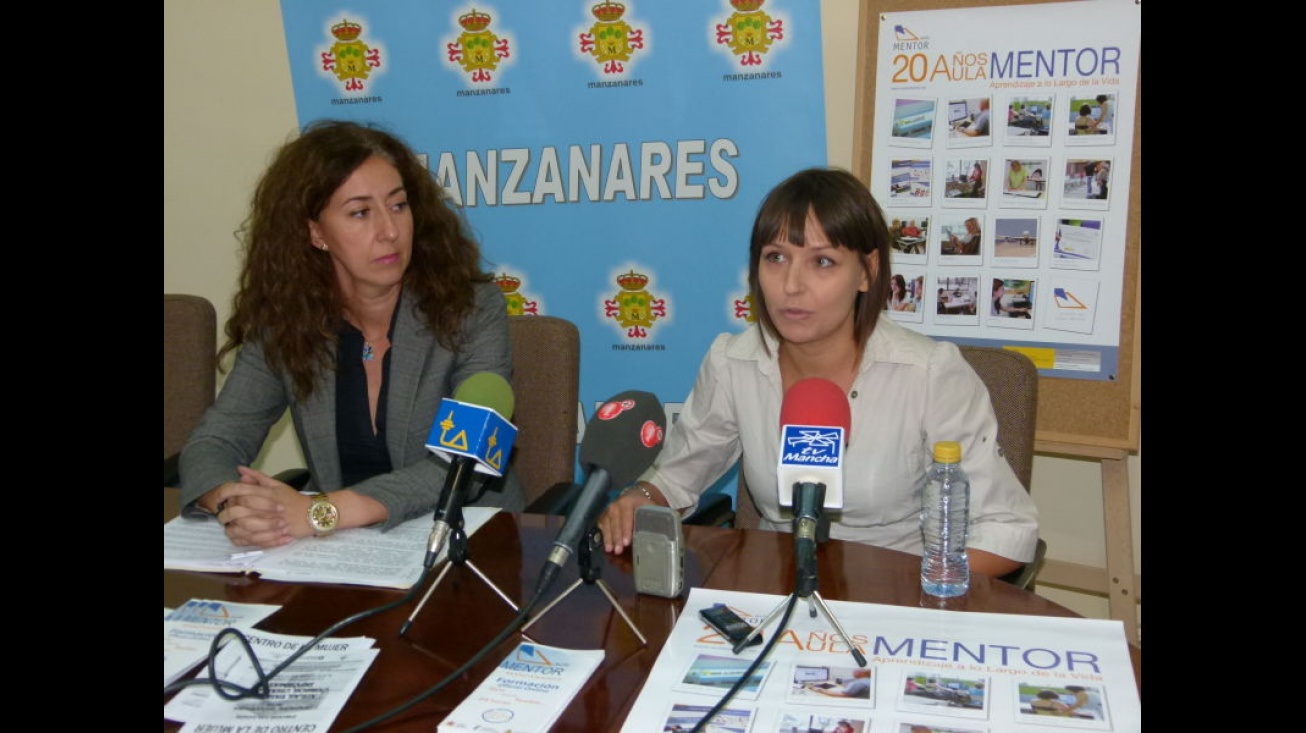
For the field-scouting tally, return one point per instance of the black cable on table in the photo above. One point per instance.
(262, 688)
(547, 576)
(743, 679)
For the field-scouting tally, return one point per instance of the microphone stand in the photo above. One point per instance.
(590, 570)
(459, 555)
(807, 502)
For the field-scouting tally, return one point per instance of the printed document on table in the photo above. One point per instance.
(307, 695)
(360, 556)
(189, 630)
(941, 670)
(526, 692)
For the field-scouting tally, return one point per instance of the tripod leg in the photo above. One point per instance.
(552, 603)
(493, 587)
(458, 555)
(604, 587)
(403, 630)
(857, 653)
(744, 642)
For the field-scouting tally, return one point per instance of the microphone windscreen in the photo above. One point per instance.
(624, 436)
(816, 401)
(814, 423)
(487, 389)
(474, 423)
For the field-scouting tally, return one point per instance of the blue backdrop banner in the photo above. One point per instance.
(609, 157)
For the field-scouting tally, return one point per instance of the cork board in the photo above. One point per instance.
(1091, 418)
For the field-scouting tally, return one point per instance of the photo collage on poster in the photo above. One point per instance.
(997, 206)
(896, 669)
(818, 696)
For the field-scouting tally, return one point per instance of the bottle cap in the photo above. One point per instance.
(947, 451)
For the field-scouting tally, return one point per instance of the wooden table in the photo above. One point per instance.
(464, 614)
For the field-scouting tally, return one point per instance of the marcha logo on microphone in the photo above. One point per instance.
(812, 446)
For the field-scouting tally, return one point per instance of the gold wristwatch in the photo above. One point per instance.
(323, 516)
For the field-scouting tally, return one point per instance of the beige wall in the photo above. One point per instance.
(227, 104)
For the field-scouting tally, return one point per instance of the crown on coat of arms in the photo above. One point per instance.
(608, 11)
(747, 6)
(507, 283)
(632, 281)
(474, 21)
(346, 31)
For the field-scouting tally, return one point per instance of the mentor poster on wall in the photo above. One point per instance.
(1003, 146)
(610, 156)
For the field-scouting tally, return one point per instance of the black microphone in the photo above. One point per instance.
(621, 441)
(472, 432)
(807, 517)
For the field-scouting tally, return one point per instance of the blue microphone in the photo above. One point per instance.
(473, 434)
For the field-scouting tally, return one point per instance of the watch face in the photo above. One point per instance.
(322, 514)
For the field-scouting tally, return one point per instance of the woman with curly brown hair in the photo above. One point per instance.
(361, 305)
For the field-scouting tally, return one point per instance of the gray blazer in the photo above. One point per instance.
(422, 372)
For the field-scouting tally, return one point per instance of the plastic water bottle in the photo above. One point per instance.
(945, 518)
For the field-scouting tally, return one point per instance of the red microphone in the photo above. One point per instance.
(815, 419)
(816, 401)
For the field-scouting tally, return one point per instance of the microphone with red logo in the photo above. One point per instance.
(621, 441)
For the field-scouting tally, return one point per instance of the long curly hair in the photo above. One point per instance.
(289, 300)
(850, 218)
